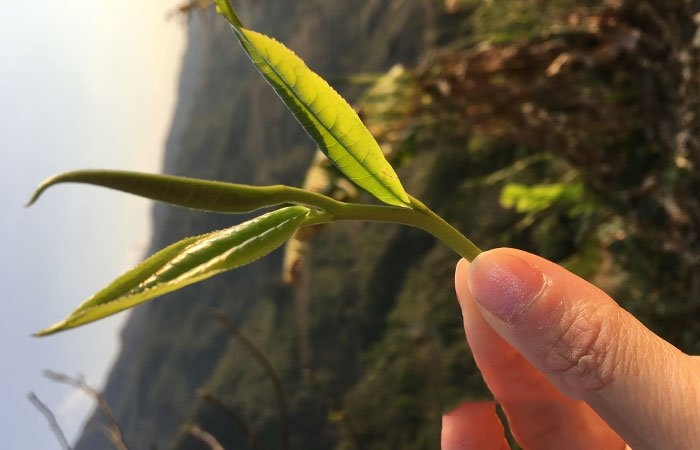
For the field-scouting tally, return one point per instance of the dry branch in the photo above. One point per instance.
(51, 418)
(111, 430)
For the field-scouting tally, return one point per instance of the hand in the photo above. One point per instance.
(570, 368)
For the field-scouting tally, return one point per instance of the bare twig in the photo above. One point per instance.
(267, 367)
(111, 430)
(204, 436)
(55, 427)
(232, 416)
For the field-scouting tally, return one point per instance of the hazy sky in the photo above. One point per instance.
(83, 84)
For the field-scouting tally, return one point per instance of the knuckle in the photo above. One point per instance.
(584, 355)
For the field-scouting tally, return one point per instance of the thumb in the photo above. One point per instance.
(590, 348)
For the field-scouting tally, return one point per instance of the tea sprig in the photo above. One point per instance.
(339, 133)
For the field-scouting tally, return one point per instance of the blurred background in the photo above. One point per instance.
(566, 128)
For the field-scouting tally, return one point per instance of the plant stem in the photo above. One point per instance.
(447, 233)
(418, 216)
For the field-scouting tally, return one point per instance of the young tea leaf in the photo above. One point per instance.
(192, 193)
(324, 114)
(188, 261)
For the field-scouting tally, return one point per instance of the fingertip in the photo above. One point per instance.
(462, 269)
(461, 280)
(504, 283)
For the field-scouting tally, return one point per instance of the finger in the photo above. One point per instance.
(539, 415)
(590, 348)
(473, 425)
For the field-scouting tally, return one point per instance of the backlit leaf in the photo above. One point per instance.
(188, 261)
(323, 113)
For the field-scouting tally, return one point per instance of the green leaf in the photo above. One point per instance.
(323, 113)
(193, 193)
(188, 261)
(538, 197)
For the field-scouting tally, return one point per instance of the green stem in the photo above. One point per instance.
(447, 233)
(418, 216)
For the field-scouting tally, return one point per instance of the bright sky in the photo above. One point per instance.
(83, 84)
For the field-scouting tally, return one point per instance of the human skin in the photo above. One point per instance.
(569, 367)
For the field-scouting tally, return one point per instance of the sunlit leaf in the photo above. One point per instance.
(182, 191)
(323, 113)
(538, 197)
(186, 262)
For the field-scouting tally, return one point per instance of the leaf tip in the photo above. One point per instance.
(224, 8)
(43, 187)
(55, 328)
(35, 196)
(37, 193)
(46, 331)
